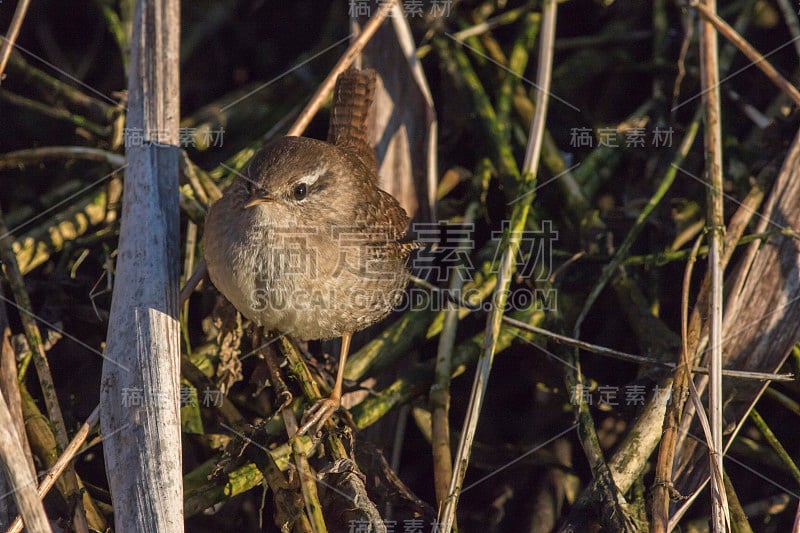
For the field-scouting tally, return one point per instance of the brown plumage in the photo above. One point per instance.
(352, 100)
(316, 267)
(304, 242)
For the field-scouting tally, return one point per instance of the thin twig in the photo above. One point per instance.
(789, 10)
(707, 10)
(37, 155)
(12, 34)
(662, 487)
(640, 359)
(344, 62)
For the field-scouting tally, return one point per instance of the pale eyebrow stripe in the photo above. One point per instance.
(311, 179)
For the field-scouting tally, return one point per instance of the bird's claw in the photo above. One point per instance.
(316, 416)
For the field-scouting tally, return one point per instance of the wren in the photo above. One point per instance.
(304, 243)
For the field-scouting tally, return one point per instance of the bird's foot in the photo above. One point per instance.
(316, 416)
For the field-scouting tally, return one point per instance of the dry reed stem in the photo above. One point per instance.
(50, 477)
(12, 34)
(709, 74)
(439, 396)
(751, 53)
(447, 513)
(690, 335)
(32, 333)
(19, 476)
(344, 62)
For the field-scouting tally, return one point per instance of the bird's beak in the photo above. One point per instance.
(256, 200)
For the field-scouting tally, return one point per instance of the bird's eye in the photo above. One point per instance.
(299, 191)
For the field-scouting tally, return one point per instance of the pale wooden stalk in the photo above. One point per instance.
(21, 480)
(9, 390)
(709, 70)
(142, 445)
(12, 34)
(50, 477)
(9, 386)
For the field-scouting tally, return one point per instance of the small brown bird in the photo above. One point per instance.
(305, 243)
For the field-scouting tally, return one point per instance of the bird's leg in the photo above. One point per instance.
(321, 411)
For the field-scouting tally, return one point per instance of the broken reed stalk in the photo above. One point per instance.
(142, 444)
(20, 478)
(52, 474)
